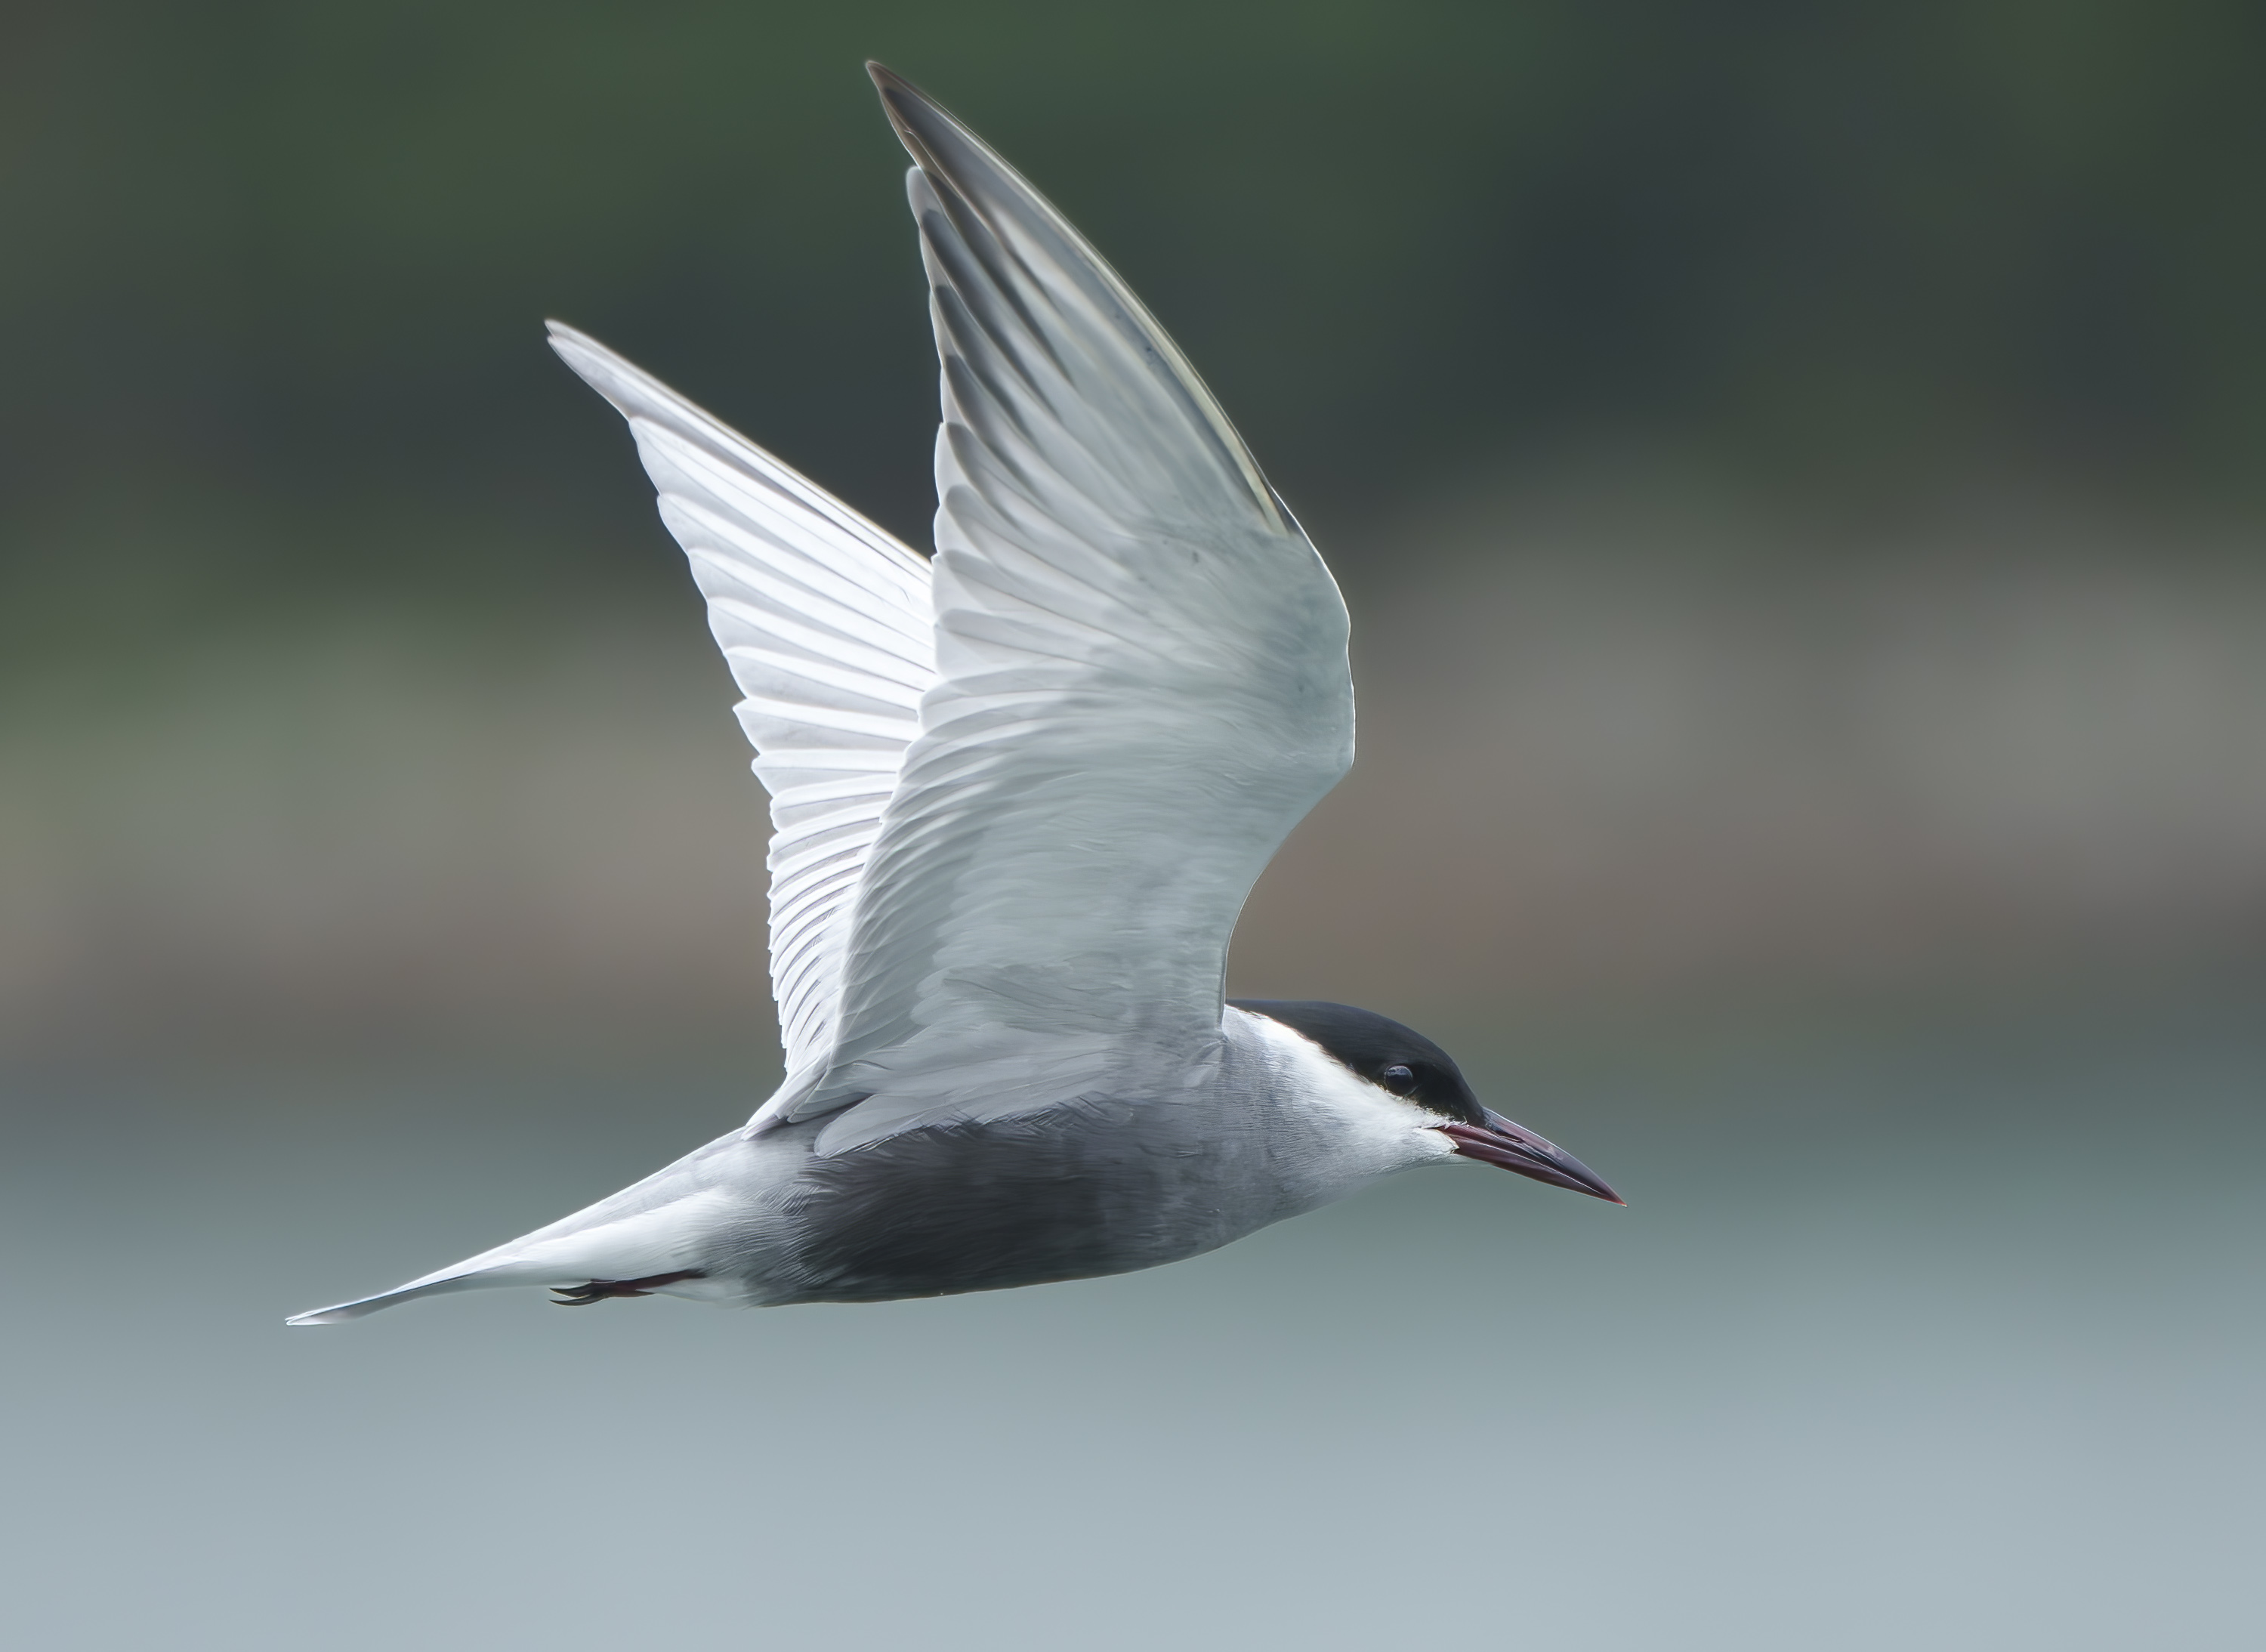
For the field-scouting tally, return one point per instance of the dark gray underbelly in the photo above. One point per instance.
(1080, 1192)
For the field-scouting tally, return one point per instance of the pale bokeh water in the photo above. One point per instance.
(1945, 1338)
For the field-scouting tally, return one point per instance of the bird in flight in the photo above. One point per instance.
(1019, 790)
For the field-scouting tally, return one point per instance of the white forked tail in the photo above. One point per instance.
(463, 1276)
(642, 1234)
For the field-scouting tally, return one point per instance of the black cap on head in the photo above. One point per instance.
(1375, 1047)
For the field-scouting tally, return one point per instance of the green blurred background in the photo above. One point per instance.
(1795, 472)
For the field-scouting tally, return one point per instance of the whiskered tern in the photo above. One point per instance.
(1019, 790)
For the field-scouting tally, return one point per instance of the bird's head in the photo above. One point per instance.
(1424, 1080)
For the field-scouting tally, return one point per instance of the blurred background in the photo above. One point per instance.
(1795, 472)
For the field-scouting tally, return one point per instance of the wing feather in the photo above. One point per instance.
(1142, 676)
(825, 622)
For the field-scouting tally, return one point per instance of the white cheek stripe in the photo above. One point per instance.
(1377, 1129)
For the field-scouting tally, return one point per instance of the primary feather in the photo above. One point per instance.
(1142, 686)
(825, 621)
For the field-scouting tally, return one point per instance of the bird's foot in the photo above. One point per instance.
(600, 1290)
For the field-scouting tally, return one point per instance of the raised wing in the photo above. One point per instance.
(1142, 671)
(825, 621)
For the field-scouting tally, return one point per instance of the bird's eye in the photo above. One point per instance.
(1398, 1079)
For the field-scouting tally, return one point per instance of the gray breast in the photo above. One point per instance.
(1097, 1185)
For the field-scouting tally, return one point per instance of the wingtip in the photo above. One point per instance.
(902, 101)
(964, 170)
(590, 360)
(887, 80)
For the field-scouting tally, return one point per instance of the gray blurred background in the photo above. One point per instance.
(1795, 472)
